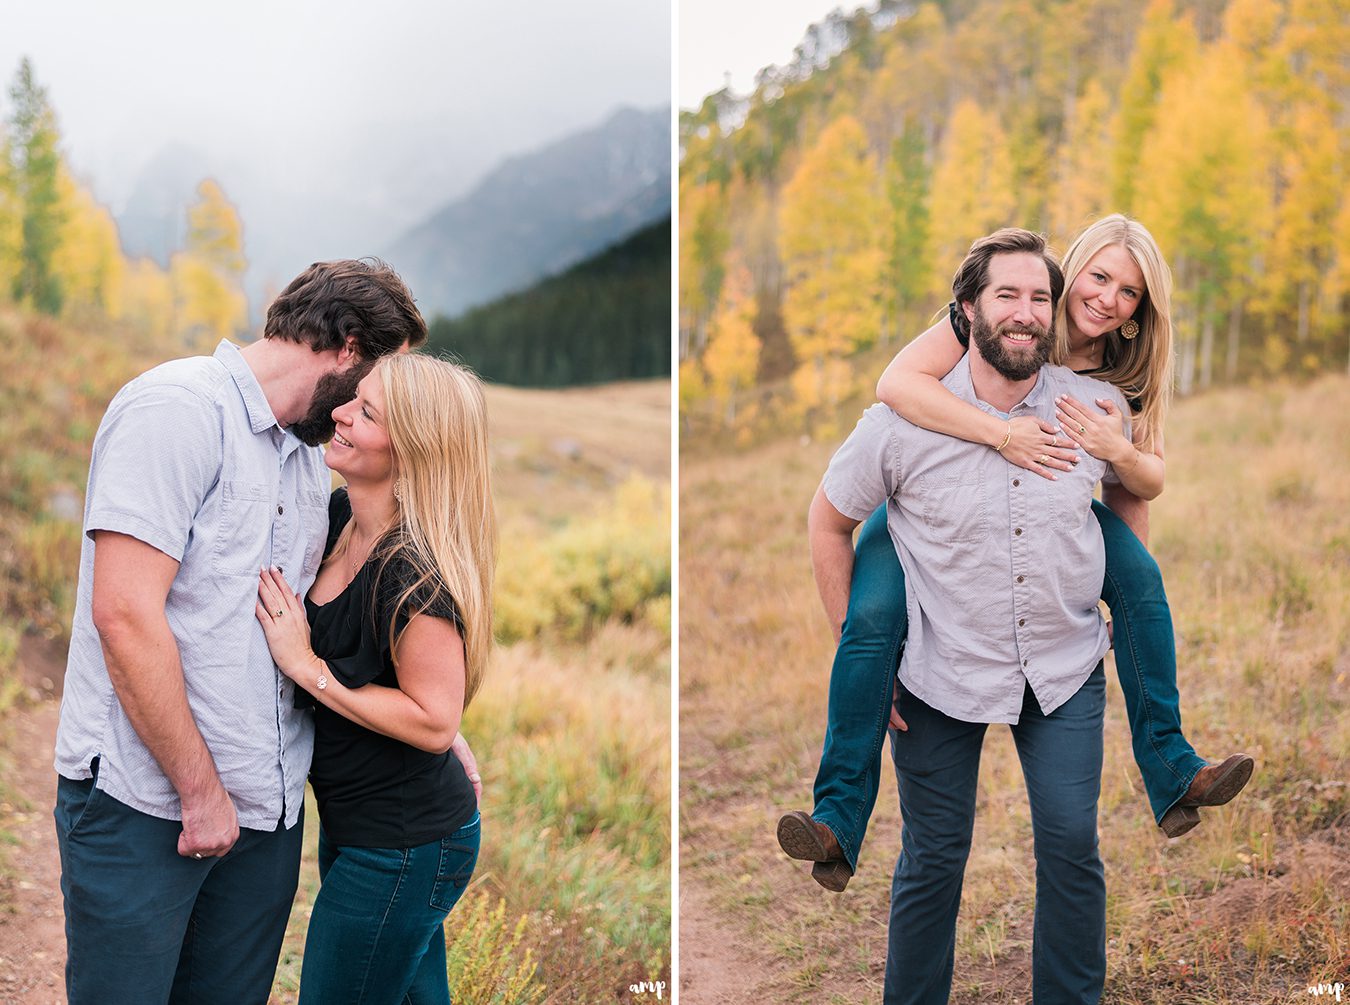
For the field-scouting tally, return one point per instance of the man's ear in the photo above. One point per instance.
(968, 308)
(351, 349)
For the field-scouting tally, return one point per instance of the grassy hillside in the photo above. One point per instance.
(571, 727)
(1252, 907)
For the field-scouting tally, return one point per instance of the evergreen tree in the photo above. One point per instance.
(35, 165)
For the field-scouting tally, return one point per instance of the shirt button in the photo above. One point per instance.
(280, 508)
(1021, 622)
(1018, 532)
(1024, 663)
(1017, 482)
(1020, 578)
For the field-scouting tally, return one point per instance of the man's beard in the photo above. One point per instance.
(332, 390)
(1012, 364)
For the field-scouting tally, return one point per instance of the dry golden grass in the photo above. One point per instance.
(1253, 535)
(556, 453)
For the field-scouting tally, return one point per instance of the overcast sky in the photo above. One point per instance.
(739, 37)
(289, 84)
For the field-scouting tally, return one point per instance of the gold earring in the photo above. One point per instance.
(398, 489)
(1129, 329)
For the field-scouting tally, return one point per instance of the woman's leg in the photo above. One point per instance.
(459, 855)
(1146, 663)
(375, 921)
(862, 683)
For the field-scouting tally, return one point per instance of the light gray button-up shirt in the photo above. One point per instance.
(1003, 568)
(189, 459)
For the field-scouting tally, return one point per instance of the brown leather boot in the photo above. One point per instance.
(811, 841)
(1213, 785)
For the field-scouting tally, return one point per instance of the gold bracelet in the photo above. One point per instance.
(1007, 437)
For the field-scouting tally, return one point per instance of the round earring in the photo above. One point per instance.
(1129, 329)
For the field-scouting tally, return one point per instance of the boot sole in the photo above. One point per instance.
(1228, 784)
(798, 838)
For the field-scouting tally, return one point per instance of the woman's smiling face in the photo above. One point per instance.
(1105, 294)
(360, 447)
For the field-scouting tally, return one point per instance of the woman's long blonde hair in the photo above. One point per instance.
(436, 419)
(1141, 367)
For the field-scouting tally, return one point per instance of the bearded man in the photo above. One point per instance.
(182, 757)
(1003, 574)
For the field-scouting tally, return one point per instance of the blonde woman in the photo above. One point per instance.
(391, 643)
(1113, 323)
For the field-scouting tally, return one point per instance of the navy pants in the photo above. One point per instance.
(377, 932)
(145, 925)
(863, 676)
(937, 763)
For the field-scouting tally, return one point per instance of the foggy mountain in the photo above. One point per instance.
(539, 213)
(532, 215)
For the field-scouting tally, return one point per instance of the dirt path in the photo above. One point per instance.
(715, 967)
(32, 926)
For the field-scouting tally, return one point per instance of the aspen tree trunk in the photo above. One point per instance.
(1207, 350)
(1234, 338)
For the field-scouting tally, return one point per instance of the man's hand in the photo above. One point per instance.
(460, 748)
(210, 825)
(896, 721)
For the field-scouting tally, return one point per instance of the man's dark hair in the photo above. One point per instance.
(332, 300)
(973, 274)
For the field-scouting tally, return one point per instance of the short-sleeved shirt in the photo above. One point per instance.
(190, 460)
(374, 791)
(1003, 568)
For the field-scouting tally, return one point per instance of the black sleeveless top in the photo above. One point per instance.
(374, 791)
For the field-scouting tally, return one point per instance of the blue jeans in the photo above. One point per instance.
(145, 925)
(937, 764)
(869, 652)
(377, 930)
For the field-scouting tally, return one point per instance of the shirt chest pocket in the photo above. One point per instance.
(244, 530)
(314, 512)
(955, 510)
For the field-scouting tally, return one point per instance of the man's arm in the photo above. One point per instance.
(131, 584)
(830, 534)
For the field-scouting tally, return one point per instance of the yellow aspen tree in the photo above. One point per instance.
(87, 261)
(11, 218)
(731, 360)
(1082, 187)
(1164, 43)
(972, 190)
(1202, 190)
(831, 246)
(1302, 246)
(208, 274)
(703, 245)
(148, 300)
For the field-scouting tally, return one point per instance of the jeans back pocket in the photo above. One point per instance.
(459, 855)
